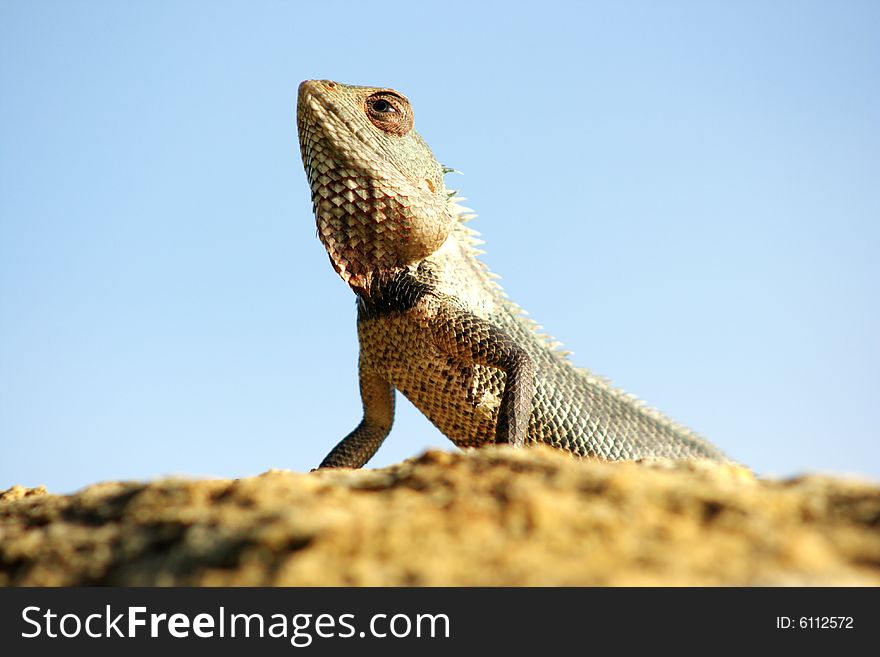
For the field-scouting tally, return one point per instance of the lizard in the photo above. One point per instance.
(432, 320)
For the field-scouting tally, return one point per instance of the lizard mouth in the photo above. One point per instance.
(322, 128)
(324, 114)
(321, 115)
(312, 96)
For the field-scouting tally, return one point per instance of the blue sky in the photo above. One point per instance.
(686, 194)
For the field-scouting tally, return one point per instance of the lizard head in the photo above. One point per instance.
(377, 191)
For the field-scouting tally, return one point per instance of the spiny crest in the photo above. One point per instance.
(472, 240)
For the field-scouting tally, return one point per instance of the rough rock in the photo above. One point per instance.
(494, 516)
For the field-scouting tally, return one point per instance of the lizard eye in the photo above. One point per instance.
(390, 112)
(382, 106)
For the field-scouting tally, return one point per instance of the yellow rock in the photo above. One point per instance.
(494, 516)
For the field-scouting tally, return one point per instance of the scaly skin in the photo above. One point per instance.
(432, 321)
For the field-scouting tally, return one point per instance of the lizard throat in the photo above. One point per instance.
(370, 225)
(366, 229)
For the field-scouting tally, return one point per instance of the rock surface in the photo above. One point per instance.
(494, 516)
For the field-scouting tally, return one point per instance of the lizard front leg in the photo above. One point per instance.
(377, 396)
(477, 340)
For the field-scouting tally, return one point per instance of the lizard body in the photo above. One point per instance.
(432, 321)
